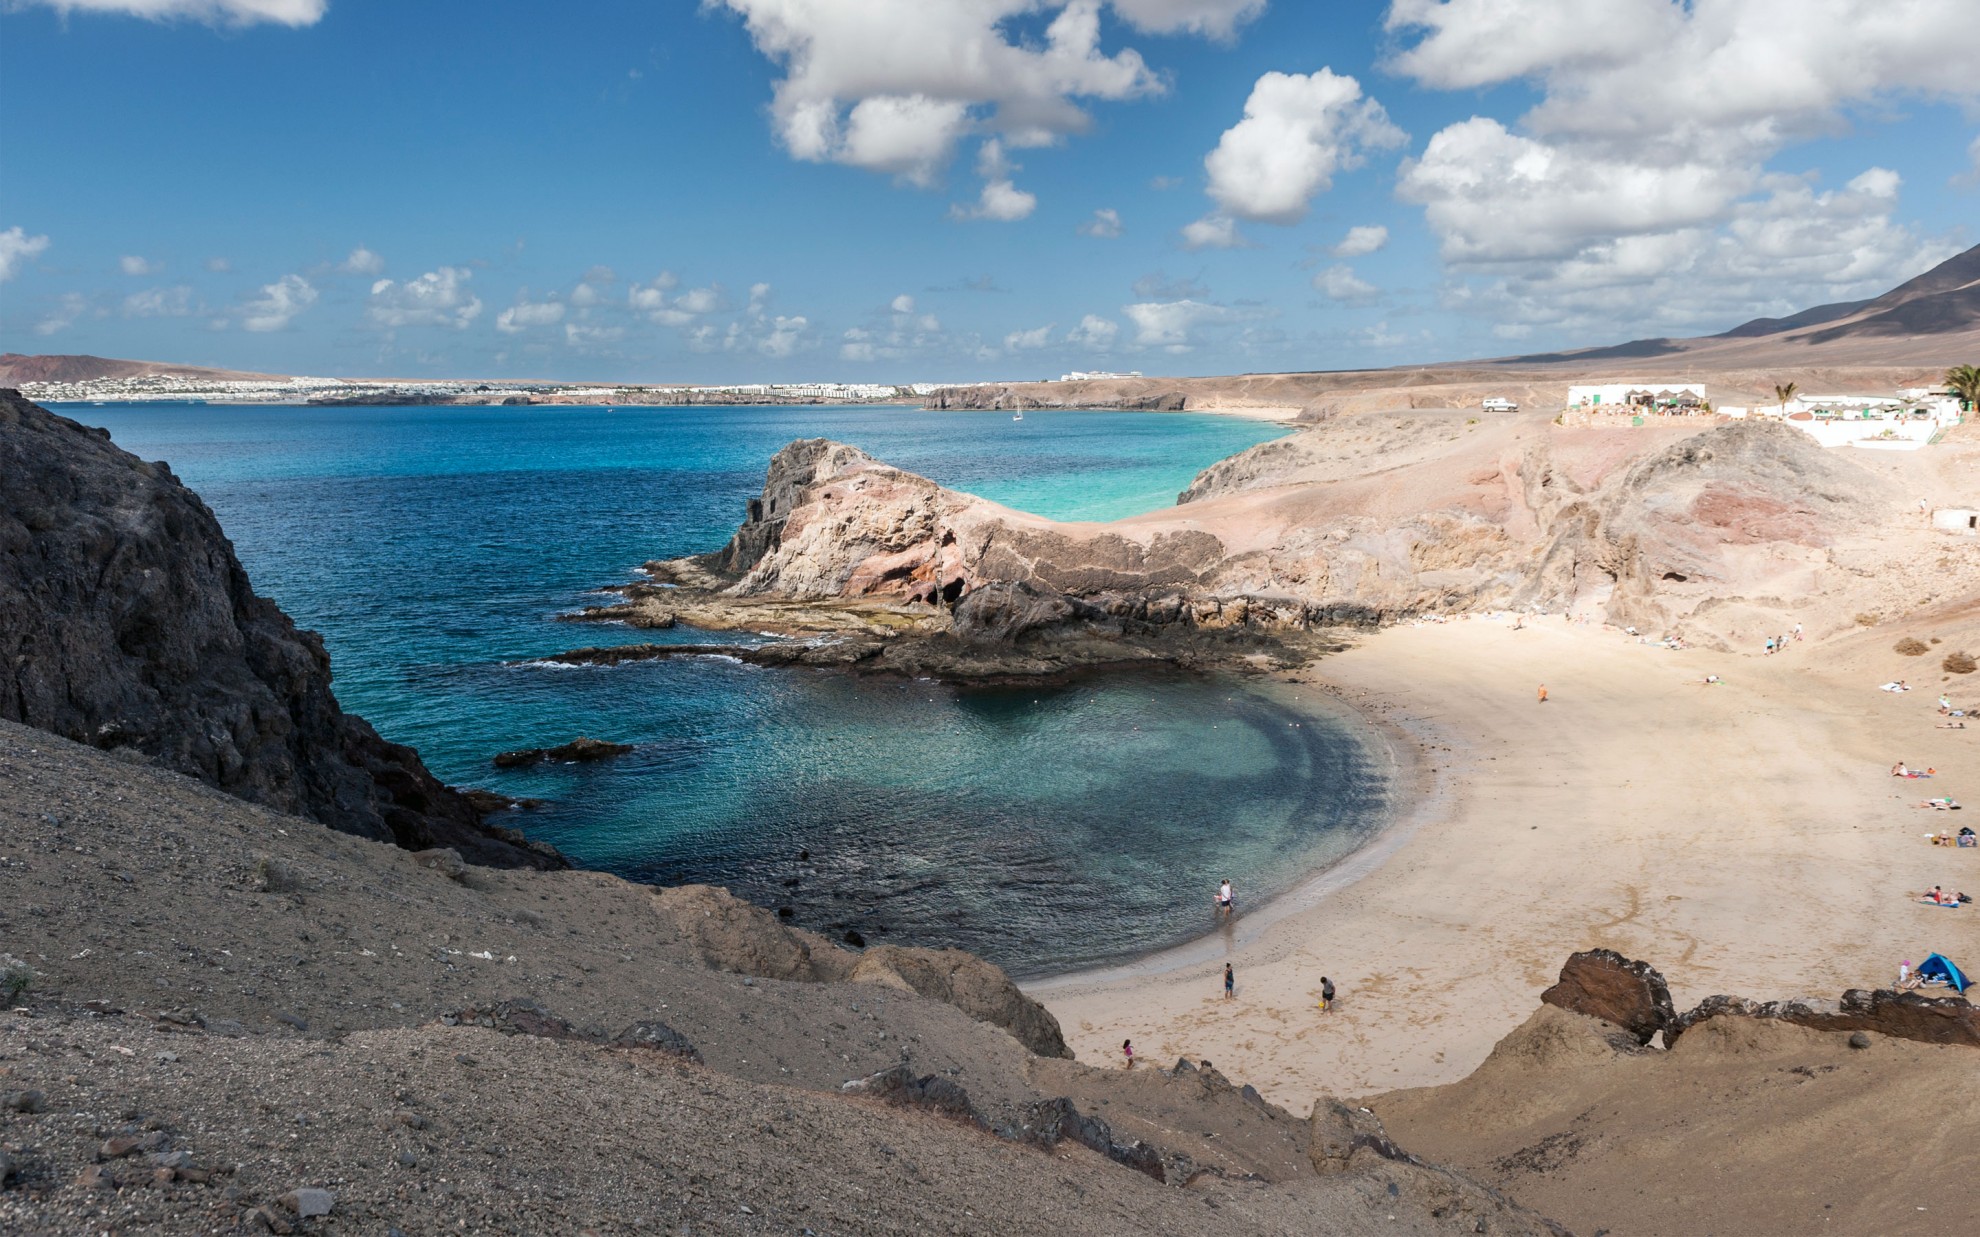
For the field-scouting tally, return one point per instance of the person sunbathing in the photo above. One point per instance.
(1898, 770)
(1952, 725)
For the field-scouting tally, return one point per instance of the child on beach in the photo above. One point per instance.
(1543, 693)
(1326, 994)
(1127, 1050)
(1230, 982)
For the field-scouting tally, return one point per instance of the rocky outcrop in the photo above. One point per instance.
(729, 934)
(579, 750)
(972, 985)
(127, 623)
(1601, 983)
(1013, 398)
(1900, 1015)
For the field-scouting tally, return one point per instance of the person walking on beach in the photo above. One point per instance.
(1230, 982)
(1226, 900)
(1543, 693)
(1326, 994)
(1127, 1050)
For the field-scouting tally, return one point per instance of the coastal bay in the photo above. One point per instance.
(1744, 836)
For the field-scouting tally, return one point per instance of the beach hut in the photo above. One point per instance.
(1962, 520)
(1938, 966)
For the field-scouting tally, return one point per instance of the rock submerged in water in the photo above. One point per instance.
(579, 750)
(128, 624)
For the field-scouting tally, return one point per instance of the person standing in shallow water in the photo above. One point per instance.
(1230, 982)
(1226, 900)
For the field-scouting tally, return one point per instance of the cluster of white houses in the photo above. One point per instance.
(1903, 421)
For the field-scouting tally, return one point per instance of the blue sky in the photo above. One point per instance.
(930, 190)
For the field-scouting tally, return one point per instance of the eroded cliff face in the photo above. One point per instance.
(1683, 529)
(127, 623)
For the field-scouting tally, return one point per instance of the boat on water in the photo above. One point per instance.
(1017, 416)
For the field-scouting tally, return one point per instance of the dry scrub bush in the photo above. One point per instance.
(1912, 648)
(1960, 663)
(1867, 619)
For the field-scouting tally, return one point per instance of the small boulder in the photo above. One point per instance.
(1603, 984)
(308, 1203)
(657, 1037)
(1859, 1039)
(443, 859)
(95, 1177)
(22, 1101)
(7, 1168)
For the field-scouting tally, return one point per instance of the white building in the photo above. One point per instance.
(1639, 393)
(1082, 375)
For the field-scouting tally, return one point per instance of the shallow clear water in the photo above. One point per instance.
(1045, 829)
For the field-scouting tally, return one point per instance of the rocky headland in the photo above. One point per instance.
(127, 623)
(1706, 531)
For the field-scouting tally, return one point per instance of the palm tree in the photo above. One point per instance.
(1965, 380)
(1784, 391)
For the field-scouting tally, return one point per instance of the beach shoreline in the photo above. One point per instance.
(1744, 837)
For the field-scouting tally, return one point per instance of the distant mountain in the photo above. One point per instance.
(16, 368)
(1933, 319)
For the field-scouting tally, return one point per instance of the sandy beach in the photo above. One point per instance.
(1745, 837)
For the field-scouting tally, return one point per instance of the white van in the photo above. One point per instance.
(1499, 403)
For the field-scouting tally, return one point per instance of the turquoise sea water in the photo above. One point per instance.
(1044, 828)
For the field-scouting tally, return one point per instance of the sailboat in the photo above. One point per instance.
(1017, 416)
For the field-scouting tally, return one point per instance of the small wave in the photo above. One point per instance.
(546, 664)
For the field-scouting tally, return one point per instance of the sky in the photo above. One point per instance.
(958, 190)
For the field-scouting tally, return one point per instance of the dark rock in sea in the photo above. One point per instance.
(854, 939)
(127, 623)
(1603, 984)
(578, 749)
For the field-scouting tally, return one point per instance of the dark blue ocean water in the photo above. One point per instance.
(1046, 829)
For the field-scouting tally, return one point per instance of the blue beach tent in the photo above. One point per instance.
(1941, 967)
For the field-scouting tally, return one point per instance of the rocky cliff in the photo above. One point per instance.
(127, 623)
(1695, 528)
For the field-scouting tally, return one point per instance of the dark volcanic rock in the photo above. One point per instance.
(578, 749)
(126, 622)
(1603, 984)
(1900, 1015)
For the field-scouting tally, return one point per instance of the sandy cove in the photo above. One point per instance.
(1745, 837)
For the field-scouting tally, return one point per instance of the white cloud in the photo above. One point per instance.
(228, 12)
(585, 295)
(584, 336)
(902, 304)
(1094, 333)
(362, 261)
(1298, 130)
(1362, 241)
(759, 297)
(137, 267)
(219, 266)
(1646, 155)
(1218, 19)
(1171, 325)
(1000, 200)
(1025, 341)
(175, 302)
(1157, 286)
(1105, 224)
(656, 300)
(1213, 231)
(523, 315)
(17, 249)
(71, 307)
(893, 85)
(278, 303)
(437, 298)
(1340, 283)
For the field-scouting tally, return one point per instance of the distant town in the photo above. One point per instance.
(171, 388)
